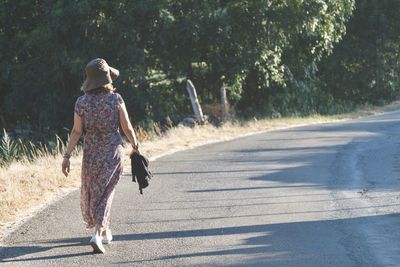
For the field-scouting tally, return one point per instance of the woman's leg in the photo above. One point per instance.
(99, 230)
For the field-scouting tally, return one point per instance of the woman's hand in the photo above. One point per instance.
(65, 166)
(135, 150)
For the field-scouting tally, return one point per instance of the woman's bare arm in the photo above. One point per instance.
(126, 125)
(75, 135)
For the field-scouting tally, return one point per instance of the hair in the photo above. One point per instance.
(105, 88)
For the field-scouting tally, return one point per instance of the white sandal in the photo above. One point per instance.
(106, 239)
(96, 243)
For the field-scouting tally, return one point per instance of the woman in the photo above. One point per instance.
(98, 115)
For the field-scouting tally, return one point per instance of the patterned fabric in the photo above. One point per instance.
(102, 155)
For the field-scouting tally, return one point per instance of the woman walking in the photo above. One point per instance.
(98, 115)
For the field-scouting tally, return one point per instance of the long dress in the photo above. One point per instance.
(102, 155)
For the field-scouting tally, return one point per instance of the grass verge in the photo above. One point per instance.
(27, 187)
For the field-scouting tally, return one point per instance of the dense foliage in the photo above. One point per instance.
(266, 52)
(365, 66)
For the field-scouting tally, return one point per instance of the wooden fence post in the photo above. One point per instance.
(224, 103)
(195, 102)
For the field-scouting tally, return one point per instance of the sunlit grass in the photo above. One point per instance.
(22, 150)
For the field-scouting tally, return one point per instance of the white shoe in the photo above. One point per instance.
(106, 239)
(96, 243)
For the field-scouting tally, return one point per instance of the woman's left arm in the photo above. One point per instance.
(75, 135)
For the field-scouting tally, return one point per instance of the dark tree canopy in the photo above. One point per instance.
(365, 66)
(274, 56)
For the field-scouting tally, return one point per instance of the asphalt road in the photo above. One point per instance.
(320, 195)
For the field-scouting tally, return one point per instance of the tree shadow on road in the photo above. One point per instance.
(272, 244)
(287, 244)
(328, 163)
(283, 244)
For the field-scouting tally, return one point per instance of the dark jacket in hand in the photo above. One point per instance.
(140, 170)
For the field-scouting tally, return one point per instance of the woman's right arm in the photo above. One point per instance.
(127, 126)
(75, 135)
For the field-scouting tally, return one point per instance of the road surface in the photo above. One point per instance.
(319, 195)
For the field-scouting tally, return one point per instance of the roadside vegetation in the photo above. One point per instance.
(25, 150)
(27, 184)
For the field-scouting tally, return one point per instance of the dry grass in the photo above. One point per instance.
(26, 187)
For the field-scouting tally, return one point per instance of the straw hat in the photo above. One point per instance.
(98, 73)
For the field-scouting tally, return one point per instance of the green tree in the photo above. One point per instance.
(264, 51)
(51, 41)
(290, 38)
(364, 67)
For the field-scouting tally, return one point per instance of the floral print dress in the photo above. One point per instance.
(102, 155)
